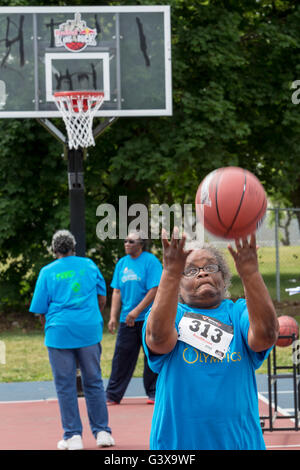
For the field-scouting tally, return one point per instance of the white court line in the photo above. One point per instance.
(55, 399)
(281, 410)
(27, 401)
(284, 446)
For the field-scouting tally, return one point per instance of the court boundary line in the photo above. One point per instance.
(281, 410)
(278, 392)
(283, 446)
(41, 400)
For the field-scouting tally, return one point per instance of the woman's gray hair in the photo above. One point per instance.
(220, 258)
(63, 242)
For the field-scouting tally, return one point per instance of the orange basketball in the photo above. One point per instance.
(231, 202)
(287, 327)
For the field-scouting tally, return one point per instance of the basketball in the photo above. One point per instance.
(287, 327)
(231, 202)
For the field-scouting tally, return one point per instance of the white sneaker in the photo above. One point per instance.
(74, 443)
(105, 439)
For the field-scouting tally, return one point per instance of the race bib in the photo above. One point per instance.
(205, 333)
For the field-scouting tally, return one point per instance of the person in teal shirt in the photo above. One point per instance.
(206, 348)
(69, 295)
(134, 284)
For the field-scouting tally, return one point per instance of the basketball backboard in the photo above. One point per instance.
(123, 51)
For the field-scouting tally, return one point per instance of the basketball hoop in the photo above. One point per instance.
(78, 109)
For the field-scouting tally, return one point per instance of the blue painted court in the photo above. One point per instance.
(31, 391)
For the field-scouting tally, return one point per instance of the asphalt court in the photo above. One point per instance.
(32, 408)
(285, 393)
(36, 391)
(39, 391)
(33, 391)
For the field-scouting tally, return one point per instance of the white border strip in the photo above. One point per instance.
(168, 111)
(109, 113)
(83, 9)
(168, 63)
(76, 55)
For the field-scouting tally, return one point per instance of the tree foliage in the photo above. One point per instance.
(233, 65)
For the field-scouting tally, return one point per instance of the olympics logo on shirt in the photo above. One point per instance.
(190, 355)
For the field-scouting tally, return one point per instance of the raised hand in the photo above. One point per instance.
(245, 256)
(174, 255)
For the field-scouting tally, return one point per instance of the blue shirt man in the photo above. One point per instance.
(134, 284)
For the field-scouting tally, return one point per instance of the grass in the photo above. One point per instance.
(27, 358)
(26, 355)
(283, 358)
(289, 257)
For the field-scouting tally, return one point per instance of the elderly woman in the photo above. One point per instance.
(206, 349)
(70, 294)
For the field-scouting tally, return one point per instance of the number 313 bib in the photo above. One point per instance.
(205, 333)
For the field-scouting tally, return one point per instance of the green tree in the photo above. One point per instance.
(233, 66)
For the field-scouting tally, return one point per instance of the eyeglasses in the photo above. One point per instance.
(130, 241)
(193, 271)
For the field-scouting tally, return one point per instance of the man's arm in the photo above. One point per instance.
(114, 310)
(144, 303)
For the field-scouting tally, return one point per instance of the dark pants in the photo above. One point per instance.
(128, 345)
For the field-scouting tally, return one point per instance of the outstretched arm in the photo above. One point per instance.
(161, 334)
(264, 327)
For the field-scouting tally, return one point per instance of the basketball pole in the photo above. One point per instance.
(77, 217)
(75, 170)
(75, 159)
(77, 199)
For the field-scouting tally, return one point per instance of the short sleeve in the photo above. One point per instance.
(115, 283)
(40, 300)
(156, 361)
(154, 272)
(101, 285)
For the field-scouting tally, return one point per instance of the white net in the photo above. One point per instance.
(78, 110)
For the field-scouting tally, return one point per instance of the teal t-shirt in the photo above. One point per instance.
(66, 293)
(204, 403)
(134, 277)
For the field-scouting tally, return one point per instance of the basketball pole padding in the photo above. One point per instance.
(77, 198)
